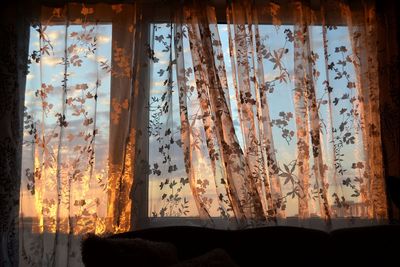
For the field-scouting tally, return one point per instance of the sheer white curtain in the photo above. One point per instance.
(136, 115)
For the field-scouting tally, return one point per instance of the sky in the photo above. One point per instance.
(280, 100)
(50, 71)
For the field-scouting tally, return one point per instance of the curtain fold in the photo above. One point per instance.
(14, 48)
(363, 34)
(136, 117)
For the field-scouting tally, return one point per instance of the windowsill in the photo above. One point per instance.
(219, 223)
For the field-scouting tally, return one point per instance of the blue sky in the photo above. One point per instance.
(50, 71)
(280, 100)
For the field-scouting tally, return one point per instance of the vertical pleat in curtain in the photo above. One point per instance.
(248, 74)
(363, 33)
(223, 148)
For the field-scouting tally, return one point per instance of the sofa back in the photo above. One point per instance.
(373, 245)
(246, 247)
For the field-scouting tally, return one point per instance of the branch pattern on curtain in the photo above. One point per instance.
(274, 114)
(281, 105)
(79, 140)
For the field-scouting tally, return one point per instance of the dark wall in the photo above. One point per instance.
(389, 81)
(9, 134)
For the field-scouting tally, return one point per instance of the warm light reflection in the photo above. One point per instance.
(120, 182)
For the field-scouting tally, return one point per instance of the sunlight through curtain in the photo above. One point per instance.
(136, 117)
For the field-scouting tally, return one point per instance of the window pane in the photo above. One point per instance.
(53, 143)
(170, 193)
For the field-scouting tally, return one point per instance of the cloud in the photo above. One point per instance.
(156, 84)
(53, 35)
(99, 59)
(156, 92)
(103, 39)
(51, 61)
(30, 76)
(269, 76)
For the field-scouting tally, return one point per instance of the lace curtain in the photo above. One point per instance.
(136, 117)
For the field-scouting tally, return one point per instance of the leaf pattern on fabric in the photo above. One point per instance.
(271, 116)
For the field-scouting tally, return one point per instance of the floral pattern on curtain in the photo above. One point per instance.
(80, 137)
(289, 129)
(132, 118)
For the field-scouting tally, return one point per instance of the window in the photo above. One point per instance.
(110, 145)
(86, 103)
(169, 192)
